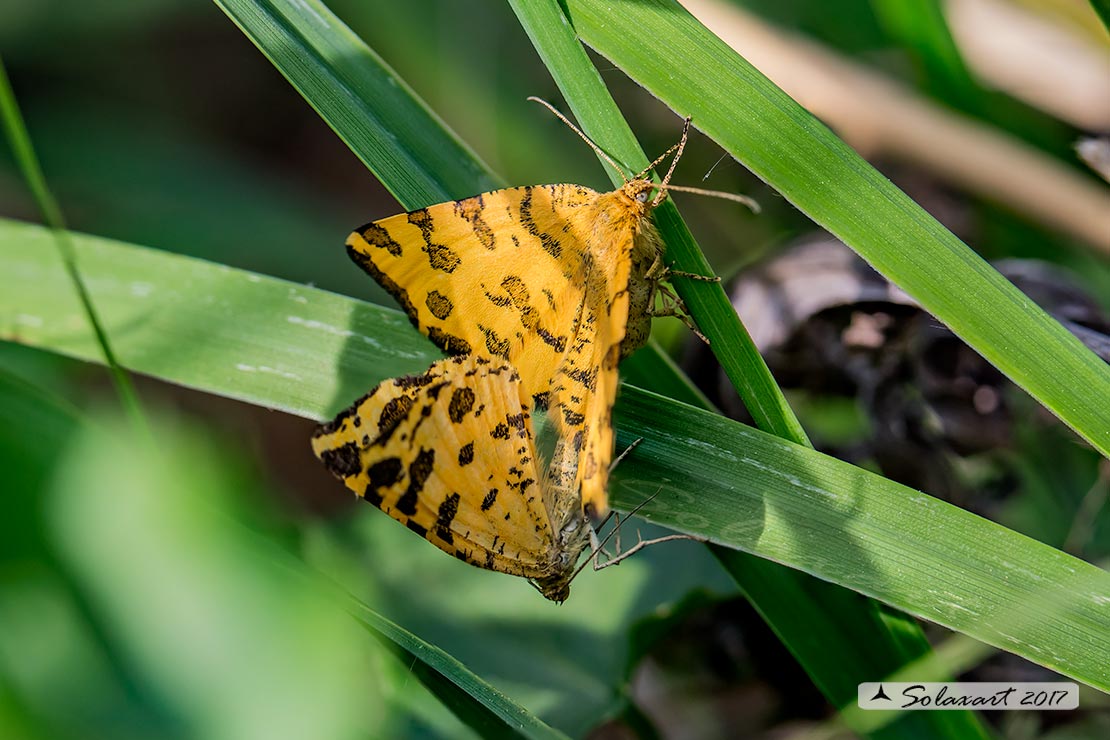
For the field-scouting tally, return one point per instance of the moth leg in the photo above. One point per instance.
(659, 272)
(692, 275)
(597, 546)
(640, 545)
(672, 305)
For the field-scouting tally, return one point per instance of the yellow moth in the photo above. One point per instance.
(557, 280)
(451, 454)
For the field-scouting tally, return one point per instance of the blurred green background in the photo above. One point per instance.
(190, 589)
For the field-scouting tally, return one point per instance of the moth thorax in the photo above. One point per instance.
(647, 241)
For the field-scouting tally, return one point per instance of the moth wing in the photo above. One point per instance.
(582, 396)
(584, 388)
(340, 442)
(501, 272)
(458, 467)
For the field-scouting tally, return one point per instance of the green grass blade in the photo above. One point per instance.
(654, 369)
(739, 486)
(413, 154)
(921, 28)
(482, 707)
(1102, 7)
(186, 336)
(787, 147)
(20, 141)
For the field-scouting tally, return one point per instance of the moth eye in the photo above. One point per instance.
(642, 196)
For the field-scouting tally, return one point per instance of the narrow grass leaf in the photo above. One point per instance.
(16, 132)
(482, 707)
(372, 110)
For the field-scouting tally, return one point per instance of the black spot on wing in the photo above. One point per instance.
(392, 413)
(376, 236)
(528, 221)
(589, 466)
(408, 382)
(439, 304)
(420, 529)
(336, 424)
(440, 256)
(462, 401)
(446, 514)
(520, 297)
(343, 461)
(529, 316)
(449, 343)
(557, 343)
(466, 454)
(490, 497)
(419, 471)
(516, 421)
(471, 210)
(573, 418)
(383, 475)
(588, 378)
(495, 344)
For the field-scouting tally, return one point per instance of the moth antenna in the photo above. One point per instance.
(600, 152)
(607, 516)
(662, 192)
(643, 173)
(745, 200)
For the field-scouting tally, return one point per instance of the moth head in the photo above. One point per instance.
(554, 588)
(639, 191)
(573, 539)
